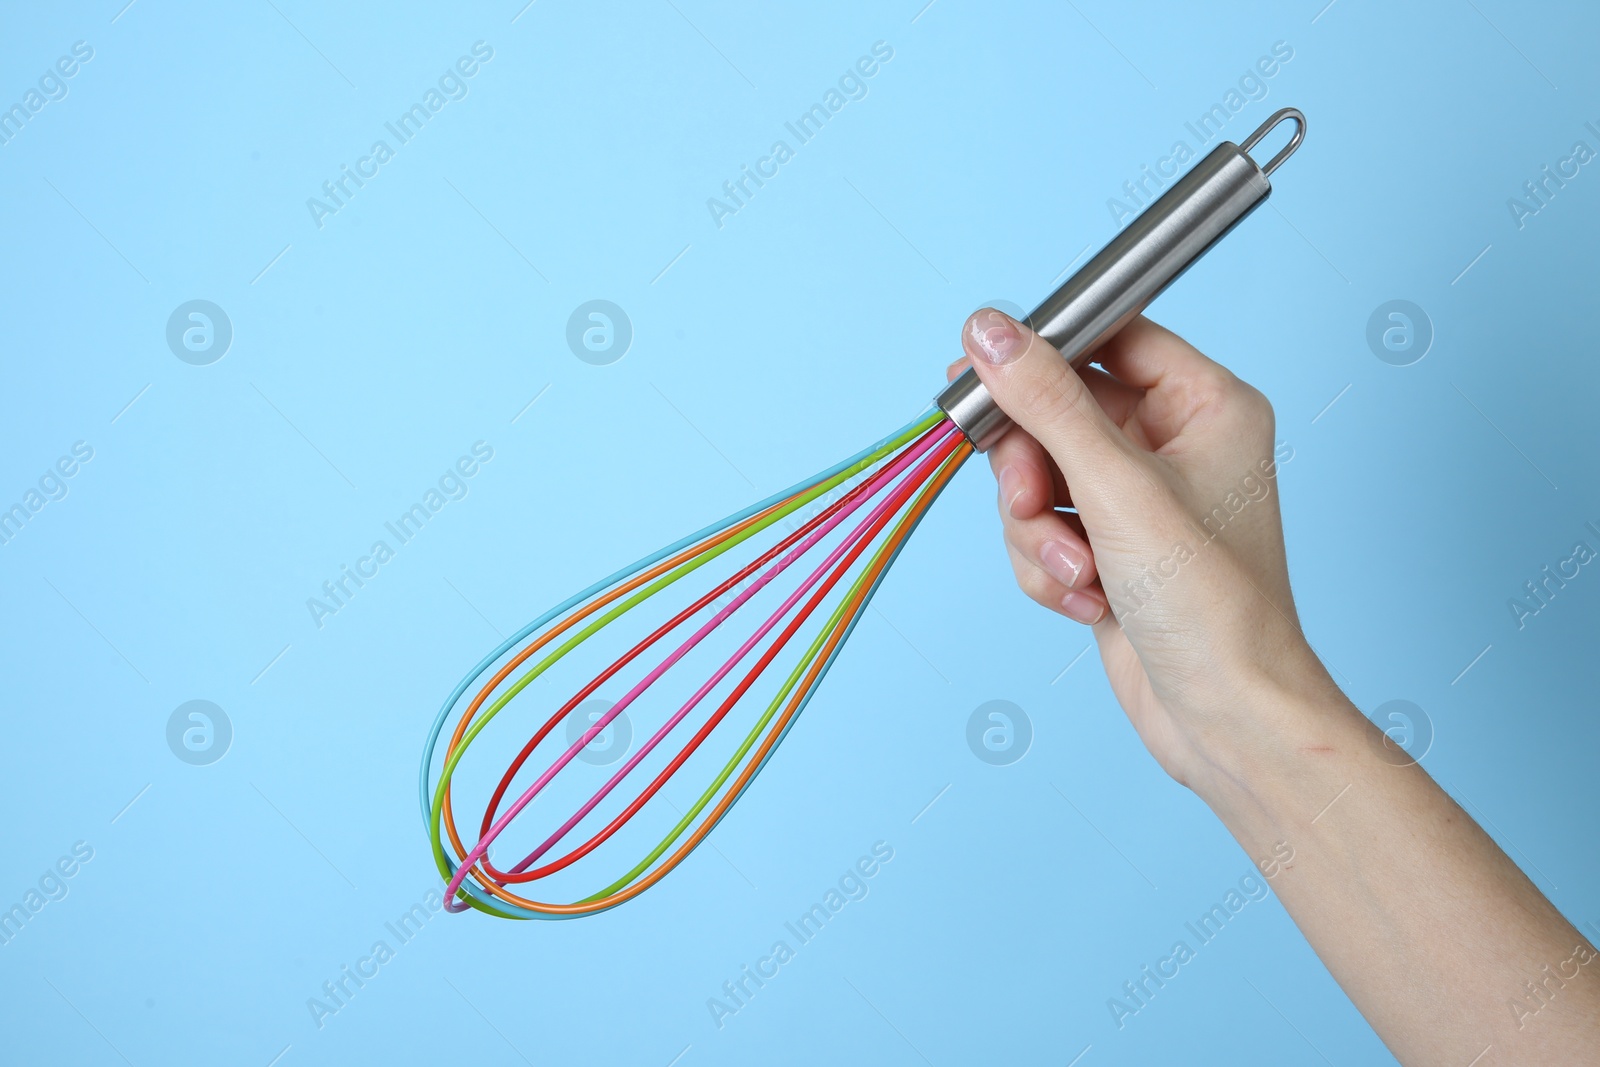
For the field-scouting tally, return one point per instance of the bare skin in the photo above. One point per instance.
(1445, 946)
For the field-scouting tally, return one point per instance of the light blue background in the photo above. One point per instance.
(377, 349)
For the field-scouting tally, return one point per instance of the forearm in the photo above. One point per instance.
(1437, 937)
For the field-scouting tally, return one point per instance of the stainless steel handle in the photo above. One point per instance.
(1149, 254)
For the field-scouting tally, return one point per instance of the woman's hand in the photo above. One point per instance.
(1175, 557)
(1175, 554)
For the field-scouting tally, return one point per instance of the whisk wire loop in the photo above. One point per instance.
(912, 466)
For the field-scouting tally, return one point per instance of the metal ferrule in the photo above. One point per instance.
(1133, 269)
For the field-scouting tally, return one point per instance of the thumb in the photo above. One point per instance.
(1044, 395)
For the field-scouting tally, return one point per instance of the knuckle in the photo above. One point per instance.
(1218, 389)
(1255, 400)
(1255, 409)
(1215, 387)
(1037, 585)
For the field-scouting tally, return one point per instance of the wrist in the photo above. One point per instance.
(1289, 734)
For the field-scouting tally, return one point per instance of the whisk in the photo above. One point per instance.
(854, 519)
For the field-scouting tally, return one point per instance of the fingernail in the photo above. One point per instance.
(1011, 487)
(995, 337)
(1064, 562)
(1081, 608)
